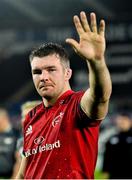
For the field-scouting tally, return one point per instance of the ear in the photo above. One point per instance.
(68, 73)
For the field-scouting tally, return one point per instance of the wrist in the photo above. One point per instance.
(98, 63)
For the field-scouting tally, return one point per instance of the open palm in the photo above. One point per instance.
(91, 45)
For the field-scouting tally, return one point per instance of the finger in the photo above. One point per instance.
(73, 43)
(102, 28)
(93, 22)
(78, 25)
(84, 21)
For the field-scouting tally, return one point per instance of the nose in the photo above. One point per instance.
(44, 76)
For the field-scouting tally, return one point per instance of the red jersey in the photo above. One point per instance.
(60, 142)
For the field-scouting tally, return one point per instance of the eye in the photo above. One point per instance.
(36, 71)
(51, 69)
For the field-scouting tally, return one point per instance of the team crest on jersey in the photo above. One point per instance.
(57, 119)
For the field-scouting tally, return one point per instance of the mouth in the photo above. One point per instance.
(45, 86)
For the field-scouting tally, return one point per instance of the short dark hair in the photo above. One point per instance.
(125, 113)
(50, 49)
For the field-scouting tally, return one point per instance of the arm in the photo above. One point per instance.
(21, 171)
(91, 48)
(16, 165)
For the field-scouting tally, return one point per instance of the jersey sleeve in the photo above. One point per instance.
(83, 119)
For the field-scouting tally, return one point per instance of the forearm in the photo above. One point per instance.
(99, 80)
(19, 176)
(21, 171)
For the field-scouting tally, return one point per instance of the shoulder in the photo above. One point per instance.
(35, 110)
(71, 97)
(77, 95)
(32, 113)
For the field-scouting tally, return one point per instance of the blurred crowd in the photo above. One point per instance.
(115, 147)
(115, 144)
(11, 141)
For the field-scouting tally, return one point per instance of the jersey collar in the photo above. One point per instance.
(61, 99)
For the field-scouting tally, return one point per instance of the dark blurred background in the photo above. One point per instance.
(26, 23)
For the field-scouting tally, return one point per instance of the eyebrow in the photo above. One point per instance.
(36, 69)
(46, 67)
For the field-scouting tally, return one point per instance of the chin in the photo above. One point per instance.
(47, 96)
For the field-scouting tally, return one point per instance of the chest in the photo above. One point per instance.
(49, 129)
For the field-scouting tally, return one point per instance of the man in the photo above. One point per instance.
(25, 108)
(8, 138)
(61, 135)
(117, 162)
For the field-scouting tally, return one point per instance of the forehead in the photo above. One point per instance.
(50, 60)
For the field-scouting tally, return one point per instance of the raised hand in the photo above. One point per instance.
(91, 45)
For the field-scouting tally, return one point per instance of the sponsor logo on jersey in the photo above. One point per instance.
(42, 148)
(57, 119)
(29, 130)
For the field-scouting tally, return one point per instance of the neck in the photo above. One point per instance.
(51, 101)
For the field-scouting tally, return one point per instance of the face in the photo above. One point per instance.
(4, 121)
(49, 76)
(123, 123)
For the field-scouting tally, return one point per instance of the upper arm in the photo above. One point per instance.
(93, 108)
(21, 171)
